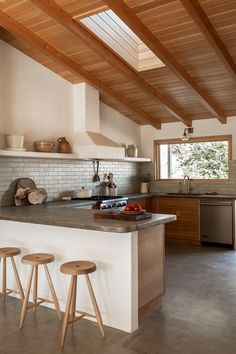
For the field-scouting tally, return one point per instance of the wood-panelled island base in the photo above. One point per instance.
(129, 256)
(151, 260)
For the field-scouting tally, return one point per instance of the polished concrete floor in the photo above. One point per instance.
(198, 315)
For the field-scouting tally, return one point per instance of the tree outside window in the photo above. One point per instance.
(206, 159)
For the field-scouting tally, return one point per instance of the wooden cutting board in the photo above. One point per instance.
(119, 216)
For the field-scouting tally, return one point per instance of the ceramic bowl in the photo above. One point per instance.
(44, 146)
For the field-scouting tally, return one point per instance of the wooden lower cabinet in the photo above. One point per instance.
(145, 203)
(187, 226)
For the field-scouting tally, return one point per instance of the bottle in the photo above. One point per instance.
(63, 146)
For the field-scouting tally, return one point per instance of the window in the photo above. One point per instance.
(117, 35)
(199, 158)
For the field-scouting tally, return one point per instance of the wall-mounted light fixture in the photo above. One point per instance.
(187, 131)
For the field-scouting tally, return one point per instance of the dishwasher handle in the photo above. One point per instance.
(221, 203)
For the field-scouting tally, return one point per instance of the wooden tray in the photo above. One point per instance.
(132, 212)
(120, 216)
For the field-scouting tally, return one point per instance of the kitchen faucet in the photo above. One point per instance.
(188, 183)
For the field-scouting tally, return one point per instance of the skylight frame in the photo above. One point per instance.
(107, 26)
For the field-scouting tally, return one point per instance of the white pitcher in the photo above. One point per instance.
(144, 187)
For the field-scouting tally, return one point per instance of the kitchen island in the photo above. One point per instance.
(129, 255)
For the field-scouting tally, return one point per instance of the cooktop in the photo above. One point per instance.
(100, 197)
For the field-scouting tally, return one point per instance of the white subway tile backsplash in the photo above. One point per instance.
(59, 177)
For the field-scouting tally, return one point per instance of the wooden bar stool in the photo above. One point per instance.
(36, 259)
(74, 269)
(10, 252)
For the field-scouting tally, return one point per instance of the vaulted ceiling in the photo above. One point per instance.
(195, 39)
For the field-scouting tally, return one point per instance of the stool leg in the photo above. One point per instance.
(4, 279)
(67, 312)
(54, 296)
(25, 302)
(18, 282)
(35, 291)
(95, 305)
(73, 301)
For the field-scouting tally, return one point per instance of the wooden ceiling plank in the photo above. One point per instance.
(134, 23)
(58, 14)
(201, 20)
(22, 32)
(149, 6)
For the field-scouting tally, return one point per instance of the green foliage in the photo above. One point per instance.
(147, 178)
(201, 160)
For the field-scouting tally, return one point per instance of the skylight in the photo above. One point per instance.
(114, 32)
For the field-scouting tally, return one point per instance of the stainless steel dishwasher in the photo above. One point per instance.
(216, 220)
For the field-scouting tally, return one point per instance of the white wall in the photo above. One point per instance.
(206, 127)
(2, 84)
(119, 128)
(86, 108)
(37, 103)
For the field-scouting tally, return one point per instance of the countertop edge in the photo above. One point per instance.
(76, 219)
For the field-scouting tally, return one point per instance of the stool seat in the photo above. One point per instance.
(78, 267)
(37, 258)
(9, 252)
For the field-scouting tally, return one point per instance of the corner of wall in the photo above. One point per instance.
(118, 127)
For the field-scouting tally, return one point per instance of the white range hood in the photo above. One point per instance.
(87, 140)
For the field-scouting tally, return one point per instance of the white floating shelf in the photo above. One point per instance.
(34, 154)
(137, 159)
(54, 155)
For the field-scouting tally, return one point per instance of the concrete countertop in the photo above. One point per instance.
(195, 196)
(139, 195)
(65, 213)
(181, 195)
(85, 203)
(77, 218)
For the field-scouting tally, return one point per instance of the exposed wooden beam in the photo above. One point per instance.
(58, 14)
(22, 32)
(134, 23)
(201, 20)
(89, 11)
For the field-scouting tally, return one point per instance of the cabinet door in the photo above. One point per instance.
(155, 205)
(169, 206)
(187, 210)
(189, 219)
(148, 204)
(145, 203)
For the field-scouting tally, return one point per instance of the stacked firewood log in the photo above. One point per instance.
(28, 193)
